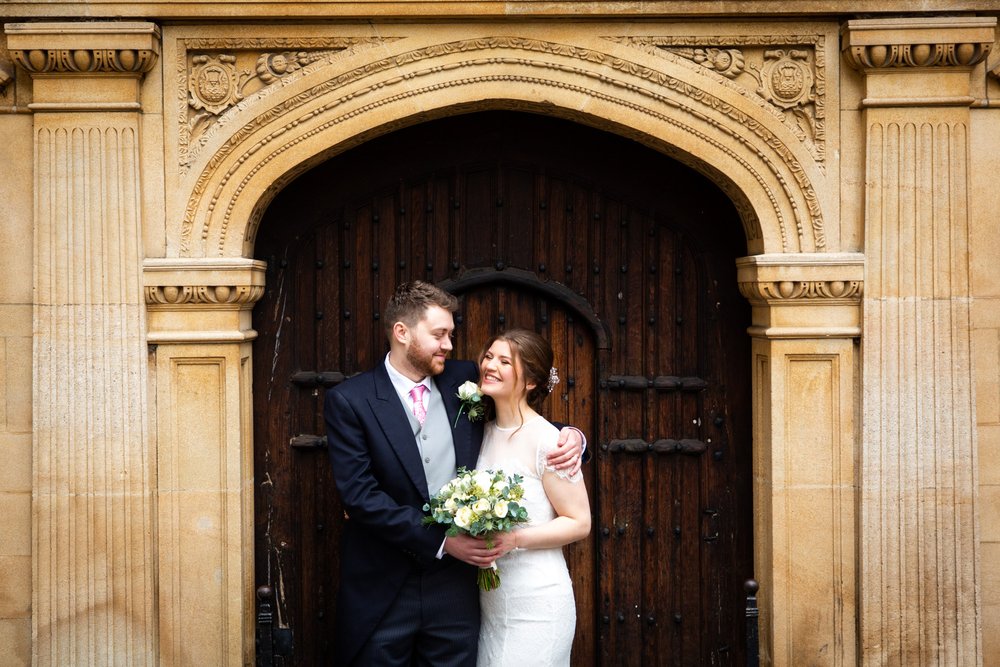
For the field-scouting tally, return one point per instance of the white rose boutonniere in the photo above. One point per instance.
(471, 402)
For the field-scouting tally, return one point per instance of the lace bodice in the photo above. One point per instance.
(523, 451)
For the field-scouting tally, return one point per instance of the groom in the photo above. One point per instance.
(408, 594)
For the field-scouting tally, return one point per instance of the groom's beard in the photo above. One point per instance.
(424, 362)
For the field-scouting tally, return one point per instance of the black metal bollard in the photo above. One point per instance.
(753, 637)
(265, 621)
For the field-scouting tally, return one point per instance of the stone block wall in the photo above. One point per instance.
(15, 384)
(985, 243)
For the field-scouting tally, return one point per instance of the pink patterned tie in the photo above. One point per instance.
(419, 411)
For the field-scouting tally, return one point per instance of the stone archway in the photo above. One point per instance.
(750, 152)
(776, 179)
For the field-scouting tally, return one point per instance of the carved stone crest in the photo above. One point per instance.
(786, 79)
(213, 83)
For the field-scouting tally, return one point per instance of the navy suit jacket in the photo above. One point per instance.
(378, 472)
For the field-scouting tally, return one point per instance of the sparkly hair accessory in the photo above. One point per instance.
(553, 379)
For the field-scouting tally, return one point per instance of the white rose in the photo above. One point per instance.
(500, 509)
(469, 390)
(450, 504)
(483, 480)
(463, 518)
(481, 506)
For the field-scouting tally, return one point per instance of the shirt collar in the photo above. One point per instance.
(401, 383)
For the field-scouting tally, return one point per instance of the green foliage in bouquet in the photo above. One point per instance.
(479, 503)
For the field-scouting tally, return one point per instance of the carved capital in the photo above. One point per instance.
(84, 66)
(878, 44)
(201, 301)
(918, 62)
(815, 295)
(84, 48)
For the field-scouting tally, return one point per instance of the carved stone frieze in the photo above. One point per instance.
(802, 290)
(213, 295)
(918, 43)
(104, 61)
(880, 56)
(789, 81)
(217, 74)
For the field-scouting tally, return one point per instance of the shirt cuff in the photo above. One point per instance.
(583, 438)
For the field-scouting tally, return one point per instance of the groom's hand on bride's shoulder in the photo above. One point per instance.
(569, 453)
(471, 550)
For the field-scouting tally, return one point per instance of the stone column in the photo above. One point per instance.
(806, 324)
(918, 548)
(199, 335)
(93, 600)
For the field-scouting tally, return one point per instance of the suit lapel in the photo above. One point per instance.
(392, 417)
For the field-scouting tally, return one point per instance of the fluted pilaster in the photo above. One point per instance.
(919, 548)
(93, 529)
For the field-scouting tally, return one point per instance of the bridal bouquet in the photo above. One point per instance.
(479, 502)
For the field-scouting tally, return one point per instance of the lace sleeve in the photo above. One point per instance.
(547, 444)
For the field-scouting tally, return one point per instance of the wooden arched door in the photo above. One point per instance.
(624, 259)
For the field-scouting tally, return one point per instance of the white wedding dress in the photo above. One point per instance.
(531, 618)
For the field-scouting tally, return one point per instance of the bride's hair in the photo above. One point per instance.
(535, 355)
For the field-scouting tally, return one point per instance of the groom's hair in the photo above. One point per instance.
(411, 300)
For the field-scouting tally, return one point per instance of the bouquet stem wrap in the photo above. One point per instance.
(488, 578)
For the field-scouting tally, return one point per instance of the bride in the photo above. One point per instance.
(531, 618)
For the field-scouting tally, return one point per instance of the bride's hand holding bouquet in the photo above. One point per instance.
(480, 503)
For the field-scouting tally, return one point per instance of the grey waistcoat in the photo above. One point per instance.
(437, 449)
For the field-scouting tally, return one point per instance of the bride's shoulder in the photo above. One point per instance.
(543, 431)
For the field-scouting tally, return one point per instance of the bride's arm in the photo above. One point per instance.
(569, 499)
